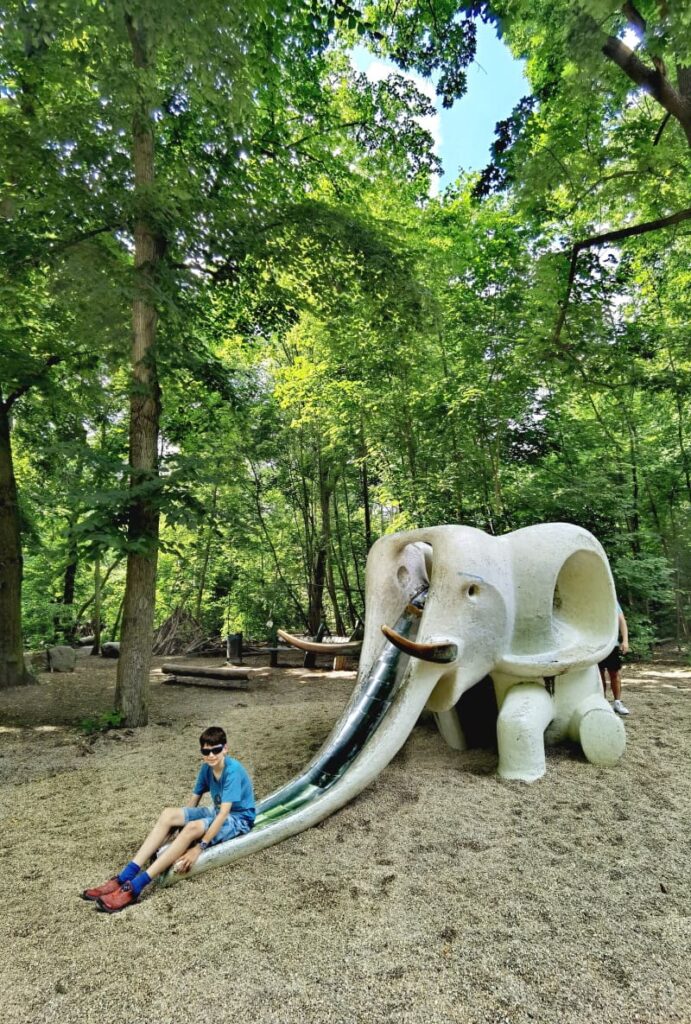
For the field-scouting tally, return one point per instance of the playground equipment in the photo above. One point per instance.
(535, 610)
(338, 651)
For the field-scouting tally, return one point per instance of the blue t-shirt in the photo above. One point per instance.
(234, 787)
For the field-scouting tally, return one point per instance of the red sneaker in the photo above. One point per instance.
(102, 890)
(118, 900)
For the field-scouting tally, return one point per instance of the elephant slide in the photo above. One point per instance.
(534, 609)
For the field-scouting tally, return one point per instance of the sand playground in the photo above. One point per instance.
(440, 894)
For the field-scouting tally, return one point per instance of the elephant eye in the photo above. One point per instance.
(473, 590)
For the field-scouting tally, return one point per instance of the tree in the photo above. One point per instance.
(320, 351)
(12, 670)
(215, 96)
(42, 355)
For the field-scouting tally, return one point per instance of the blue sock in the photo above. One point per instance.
(140, 881)
(129, 872)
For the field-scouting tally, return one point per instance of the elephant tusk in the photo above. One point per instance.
(352, 647)
(442, 652)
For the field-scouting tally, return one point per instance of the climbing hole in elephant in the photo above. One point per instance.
(564, 616)
(581, 612)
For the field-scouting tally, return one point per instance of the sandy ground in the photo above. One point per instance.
(440, 894)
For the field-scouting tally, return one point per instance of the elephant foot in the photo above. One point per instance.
(602, 736)
(525, 714)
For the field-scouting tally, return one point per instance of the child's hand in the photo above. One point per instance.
(184, 863)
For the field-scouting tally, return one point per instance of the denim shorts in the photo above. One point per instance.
(234, 825)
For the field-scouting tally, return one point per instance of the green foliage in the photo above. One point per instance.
(643, 634)
(104, 722)
(339, 354)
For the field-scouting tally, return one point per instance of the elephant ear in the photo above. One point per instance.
(565, 601)
(398, 566)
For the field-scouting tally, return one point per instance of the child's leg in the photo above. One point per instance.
(193, 831)
(129, 892)
(171, 817)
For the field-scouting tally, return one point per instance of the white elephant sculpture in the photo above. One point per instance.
(534, 609)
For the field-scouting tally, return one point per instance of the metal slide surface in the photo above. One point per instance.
(371, 730)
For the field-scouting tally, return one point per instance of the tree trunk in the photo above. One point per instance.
(12, 671)
(96, 649)
(115, 633)
(459, 470)
(339, 556)
(315, 610)
(677, 102)
(90, 600)
(308, 515)
(131, 692)
(365, 487)
(68, 583)
(353, 551)
(318, 575)
(205, 558)
(69, 578)
(326, 489)
(333, 594)
(633, 519)
(679, 402)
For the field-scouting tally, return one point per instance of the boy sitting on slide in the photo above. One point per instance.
(232, 814)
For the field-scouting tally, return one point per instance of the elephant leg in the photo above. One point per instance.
(450, 727)
(600, 732)
(526, 712)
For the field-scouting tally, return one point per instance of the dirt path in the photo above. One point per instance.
(440, 894)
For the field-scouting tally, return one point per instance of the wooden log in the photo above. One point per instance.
(222, 672)
(212, 684)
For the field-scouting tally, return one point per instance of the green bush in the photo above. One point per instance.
(102, 723)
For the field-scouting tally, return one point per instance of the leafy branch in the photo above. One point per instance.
(609, 236)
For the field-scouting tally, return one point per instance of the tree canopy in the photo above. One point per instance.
(241, 338)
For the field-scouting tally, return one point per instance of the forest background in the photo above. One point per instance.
(240, 339)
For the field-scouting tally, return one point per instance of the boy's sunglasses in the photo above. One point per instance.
(207, 751)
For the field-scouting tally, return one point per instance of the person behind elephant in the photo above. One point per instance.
(612, 664)
(232, 814)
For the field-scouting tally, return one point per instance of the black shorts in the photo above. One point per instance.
(613, 660)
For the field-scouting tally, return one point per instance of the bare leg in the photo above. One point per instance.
(191, 832)
(615, 682)
(171, 817)
(603, 677)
